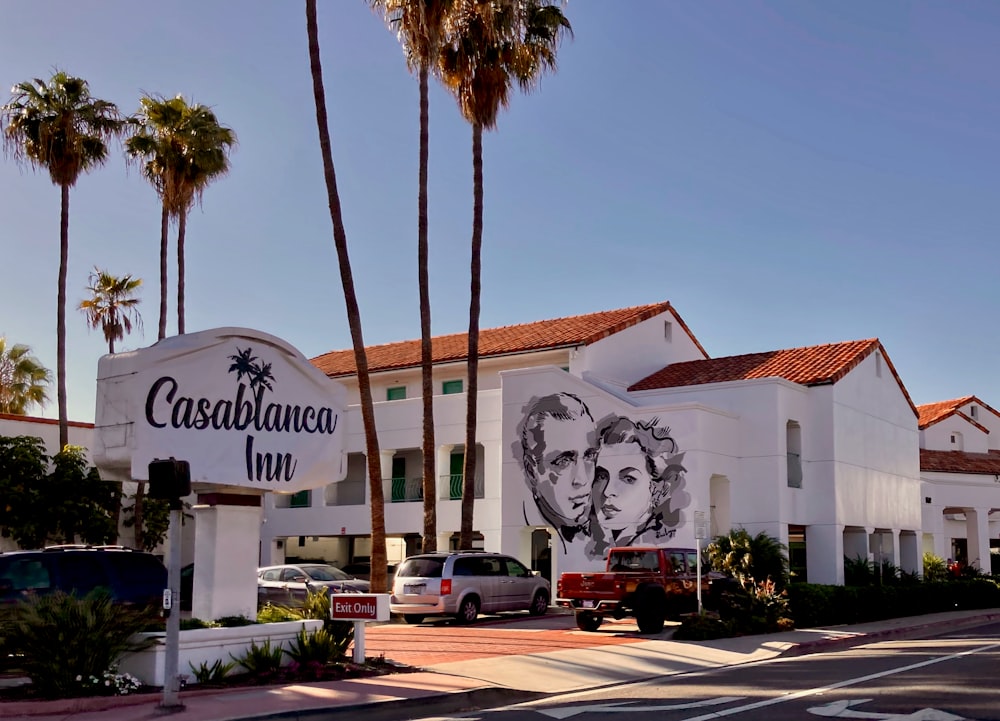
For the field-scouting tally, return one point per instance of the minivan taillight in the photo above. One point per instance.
(446, 587)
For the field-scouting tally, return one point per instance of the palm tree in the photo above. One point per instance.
(379, 577)
(24, 380)
(112, 306)
(59, 126)
(490, 44)
(181, 149)
(420, 26)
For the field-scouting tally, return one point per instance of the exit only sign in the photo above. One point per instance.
(359, 606)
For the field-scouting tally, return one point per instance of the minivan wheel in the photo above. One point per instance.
(468, 611)
(539, 604)
(412, 618)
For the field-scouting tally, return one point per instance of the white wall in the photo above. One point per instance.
(636, 352)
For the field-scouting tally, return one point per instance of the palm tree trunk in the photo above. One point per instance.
(472, 393)
(379, 577)
(181, 232)
(426, 359)
(164, 228)
(61, 318)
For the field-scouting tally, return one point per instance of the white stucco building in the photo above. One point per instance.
(818, 446)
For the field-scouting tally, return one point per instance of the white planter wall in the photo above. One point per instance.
(208, 645)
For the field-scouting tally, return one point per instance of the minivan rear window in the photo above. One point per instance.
(423, 567)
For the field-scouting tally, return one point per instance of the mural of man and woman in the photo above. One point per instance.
(616, 482)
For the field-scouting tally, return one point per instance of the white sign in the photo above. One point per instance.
(242, 407)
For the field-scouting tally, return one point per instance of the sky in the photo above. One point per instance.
(785, 173)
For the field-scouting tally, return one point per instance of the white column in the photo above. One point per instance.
(227, 539)
(825, 553)
(443, 471)
(893, 553)
(977, 529)
(386, 463)
(492, 466)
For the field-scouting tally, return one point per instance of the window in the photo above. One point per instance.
(878, 365)
(793, 446)
(302, 499)
(449, 387)
(668, 330)
(974, 412)
(396, 393)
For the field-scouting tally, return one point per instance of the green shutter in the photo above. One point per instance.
(302, 499)
(396, 393)
(449, 387)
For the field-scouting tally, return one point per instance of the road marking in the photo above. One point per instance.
(567, 711)
(841, 684)
(841, 709)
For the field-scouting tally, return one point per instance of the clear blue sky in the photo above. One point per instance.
(786, 173)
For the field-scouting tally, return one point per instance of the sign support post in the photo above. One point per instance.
(360, 608)
(700, 532)
(170, 480)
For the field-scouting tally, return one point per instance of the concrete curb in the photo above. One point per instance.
(858, 639)
(446, 704)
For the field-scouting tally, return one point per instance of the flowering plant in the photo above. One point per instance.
(109, 683)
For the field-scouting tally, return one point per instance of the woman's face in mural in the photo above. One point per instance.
(623, 485)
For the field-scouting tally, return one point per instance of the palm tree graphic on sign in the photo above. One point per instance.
(245, 364)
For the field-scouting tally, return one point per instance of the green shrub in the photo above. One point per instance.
(261, 661)
(214, 673)
(316, 607)
(704, 626)
(270, 613)
(63, 640)
(935, 569)
(318, 647)
(755, 608)
(233, 621)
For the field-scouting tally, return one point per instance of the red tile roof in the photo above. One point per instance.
(538, 336)
(931, 413)
(960, 462)
(809, 366)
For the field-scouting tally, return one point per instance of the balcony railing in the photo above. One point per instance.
(401, 490)
(453, 483)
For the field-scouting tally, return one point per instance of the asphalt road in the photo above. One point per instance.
(944, 678)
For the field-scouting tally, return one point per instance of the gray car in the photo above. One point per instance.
(290, 584)
(464, 584)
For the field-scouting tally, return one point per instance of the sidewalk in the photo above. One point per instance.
(446, 687)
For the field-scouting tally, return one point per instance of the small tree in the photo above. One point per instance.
(65, 504)
(750, 558)
(24, 381)
(112, 305)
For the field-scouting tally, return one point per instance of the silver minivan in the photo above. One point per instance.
(464, 584)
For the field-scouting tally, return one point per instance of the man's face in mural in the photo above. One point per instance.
(565, 459)
(623, 486)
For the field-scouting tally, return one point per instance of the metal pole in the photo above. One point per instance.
(697, 548)
(171, 677)
(359, 642)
